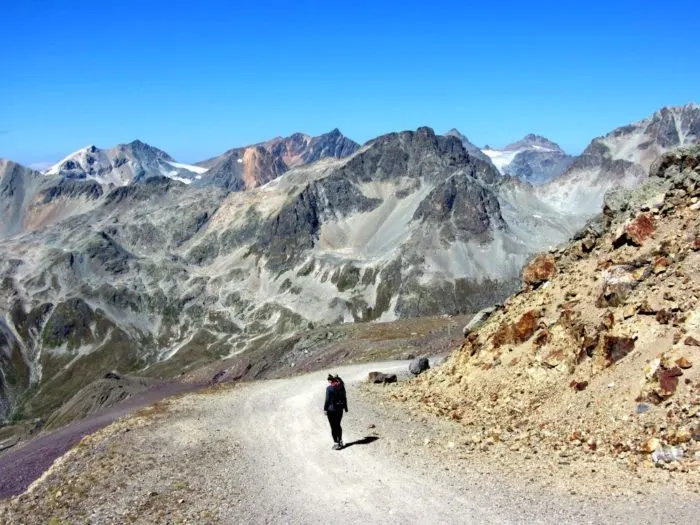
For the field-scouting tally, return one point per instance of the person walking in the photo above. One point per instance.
(336, 403)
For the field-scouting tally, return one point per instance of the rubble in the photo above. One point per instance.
(599, 362)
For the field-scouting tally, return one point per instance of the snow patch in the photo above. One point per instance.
(501, 159)
(56, 168)
(189, 167)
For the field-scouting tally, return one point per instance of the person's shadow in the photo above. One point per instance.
(364, 441)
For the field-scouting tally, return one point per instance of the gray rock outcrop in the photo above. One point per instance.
(419, 365)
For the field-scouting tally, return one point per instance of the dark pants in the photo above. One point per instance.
(334, 418)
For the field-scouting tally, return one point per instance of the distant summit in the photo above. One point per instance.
(471, 148)
(251, 166)
(534, 159)
(123, 164)
(536, 142)
(622, 158)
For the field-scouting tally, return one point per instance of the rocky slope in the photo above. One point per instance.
(31, 200)
(123, 164)
(159, 277)
(622, 157)
(598, 354)
(533, 159)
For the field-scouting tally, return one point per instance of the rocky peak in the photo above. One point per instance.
(471, 148)
(532, 141)
(331, 144)
(7, 166)
(138, 150)
(454, 132)
(266, 161)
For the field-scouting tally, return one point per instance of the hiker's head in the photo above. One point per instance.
(330, 378)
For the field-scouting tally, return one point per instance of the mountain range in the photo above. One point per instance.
(126, 259)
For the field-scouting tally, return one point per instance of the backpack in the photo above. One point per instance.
(339, 398)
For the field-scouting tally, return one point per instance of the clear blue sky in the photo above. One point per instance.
(196, 78)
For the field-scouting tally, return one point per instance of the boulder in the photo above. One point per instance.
(683, 363)
(691, 341)
(615, 348)
(419, 365)
(668, 382)
(518, 332)
(636, 231)
(587, 245)
(112, 375)
(380, 377)
(478, 320)
(663, 316)
(618, 282)
(541, 269)
(630, 310)
(649, 307)
(578, 386)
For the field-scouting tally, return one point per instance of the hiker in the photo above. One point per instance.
(336, 402)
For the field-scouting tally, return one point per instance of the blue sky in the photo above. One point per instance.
(197, 78)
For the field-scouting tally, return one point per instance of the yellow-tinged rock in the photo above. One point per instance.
(683, 363)
(650, 445)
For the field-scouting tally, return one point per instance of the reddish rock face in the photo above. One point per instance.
(519, 332)
(542, 338)
(636, 231)
(541, 269)
(668, 382)
(615, 348)
(526, 326)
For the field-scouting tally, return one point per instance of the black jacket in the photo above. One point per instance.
(336, 401)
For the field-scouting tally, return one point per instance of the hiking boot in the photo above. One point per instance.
(340, 444)
(337, 446)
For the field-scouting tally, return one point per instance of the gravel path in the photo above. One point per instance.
(261, 453)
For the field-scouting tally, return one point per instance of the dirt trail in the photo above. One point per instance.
(300, 477)
(261, 453)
